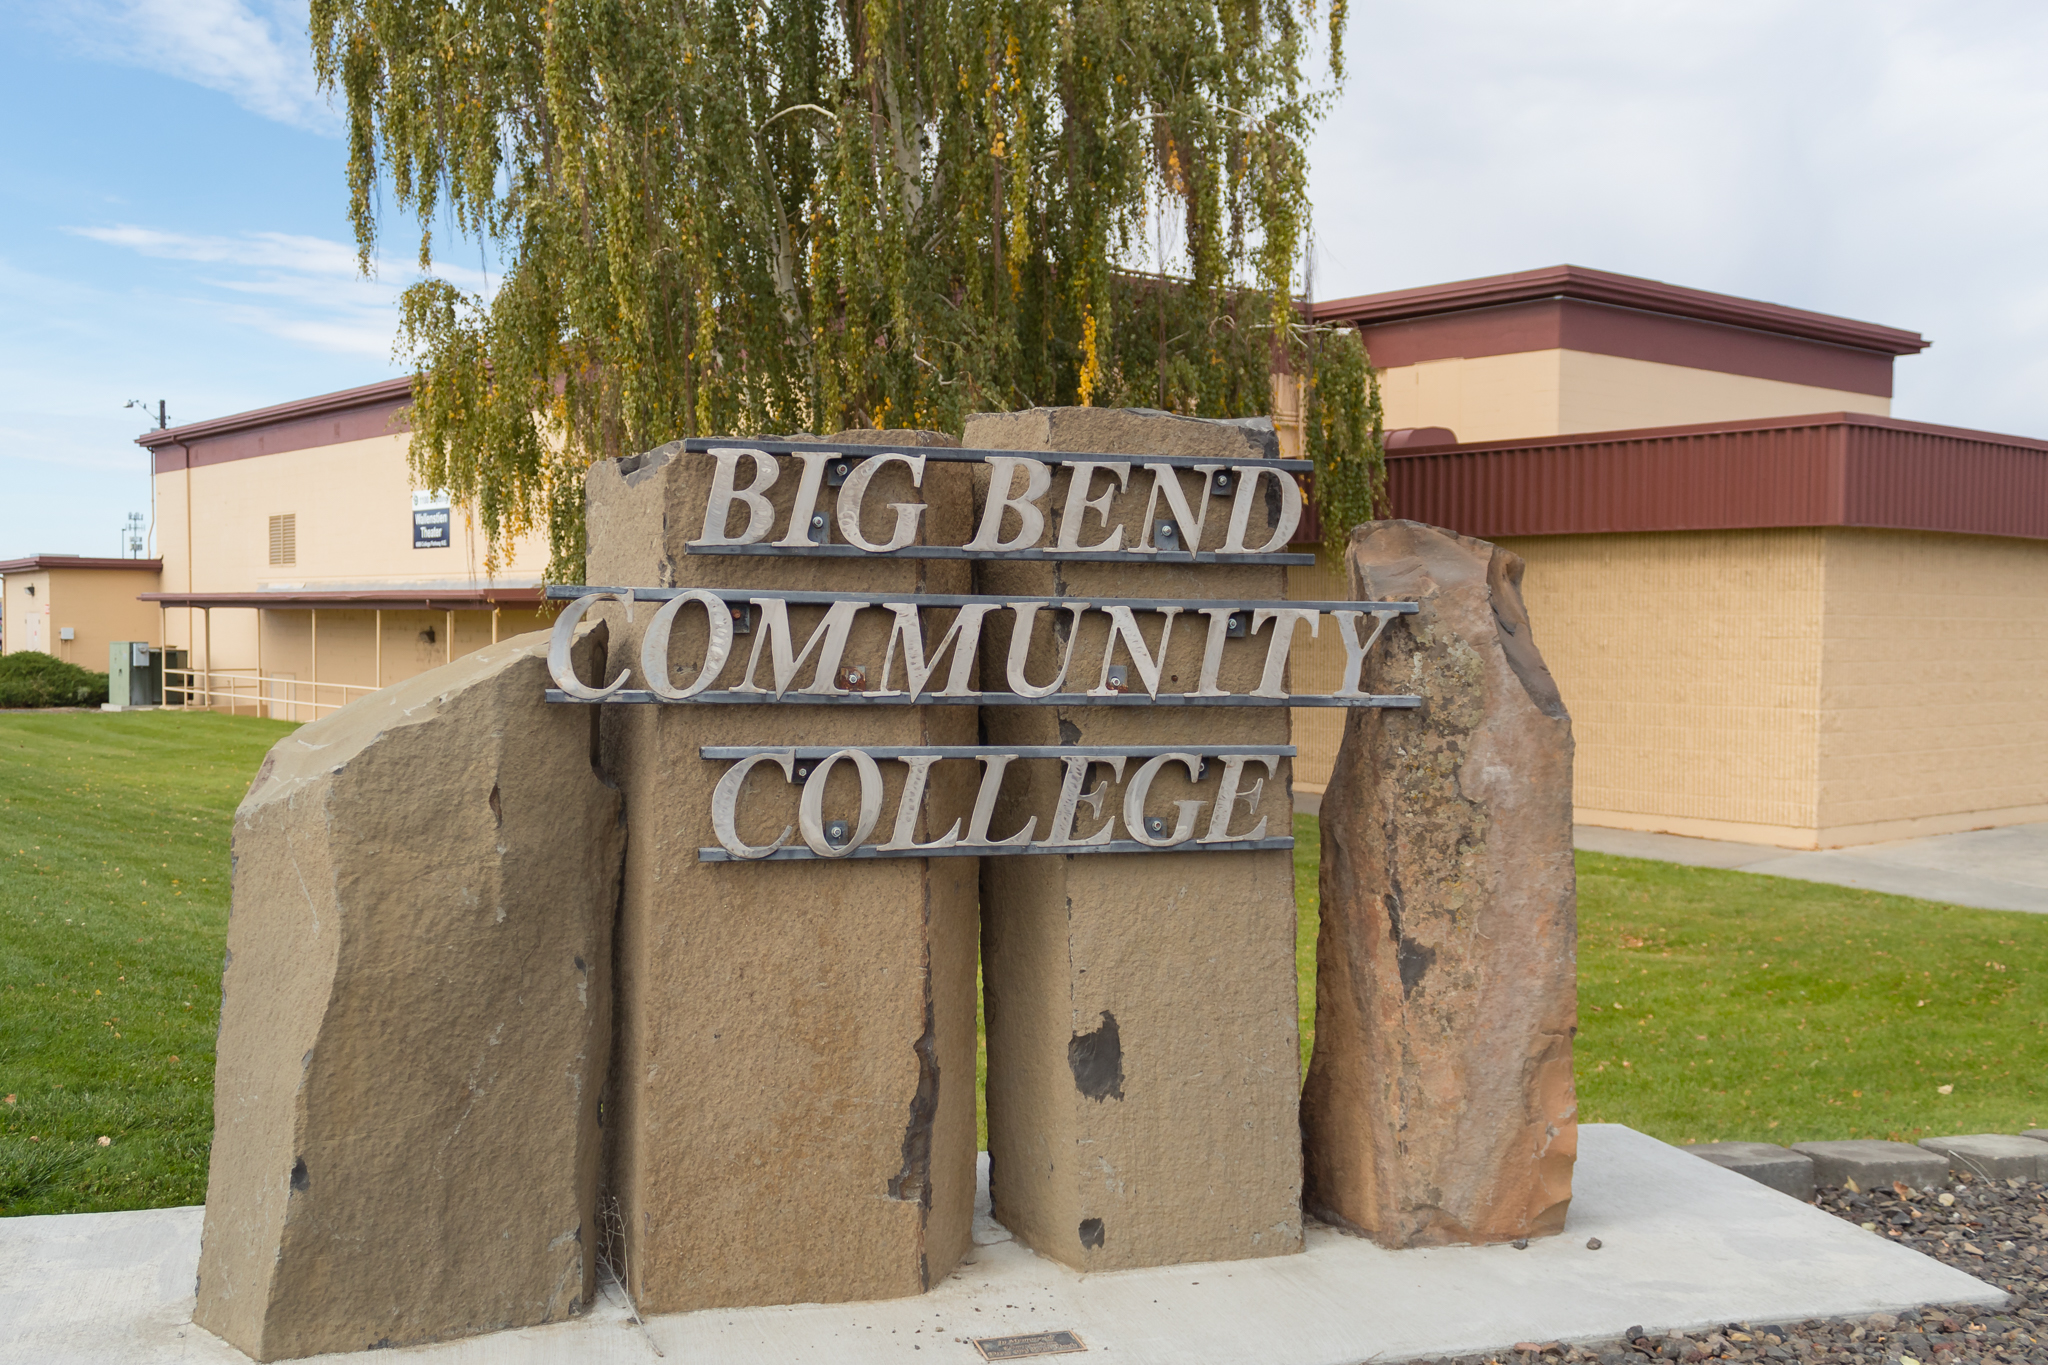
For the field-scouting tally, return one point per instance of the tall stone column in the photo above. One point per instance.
(1439, 1106)
(1140, 1008)
(792, 1116)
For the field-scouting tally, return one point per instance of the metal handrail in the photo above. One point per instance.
(201, 689)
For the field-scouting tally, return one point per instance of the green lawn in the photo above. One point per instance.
(1720, 1005)
(113, 914)
(1713, 1004)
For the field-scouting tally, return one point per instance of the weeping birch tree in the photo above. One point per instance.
(722, 216)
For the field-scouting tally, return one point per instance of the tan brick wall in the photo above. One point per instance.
(99, 606)
(1614, 393)
(1550, 393)
(1934, 684)
(353, 508)
(1691, 663)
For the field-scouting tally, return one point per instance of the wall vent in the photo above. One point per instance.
(284, 538)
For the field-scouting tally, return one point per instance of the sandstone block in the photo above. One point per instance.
(796, 1043)
(1784, 1170)
(1874, 1164)
(1439, 1106)
(1140, 1008)
(415, 1026)
(1992, 1156)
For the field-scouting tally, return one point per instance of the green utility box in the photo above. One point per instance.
(135, 674)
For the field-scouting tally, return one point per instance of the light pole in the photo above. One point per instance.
(163, 421)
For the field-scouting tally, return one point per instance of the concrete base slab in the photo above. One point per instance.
(1992, 1156)
(1780, 1168)
(1685, 1244)
(1874, 1164)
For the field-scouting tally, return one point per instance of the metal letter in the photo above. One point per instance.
(1141, 784)
(565, 634)
(810, 809)
(1166, 480)
(856, 487)
(725, 798)
(1002, 474)
(1228, 796)
(798, 536)
(760, 513)
(1071, 799)
(985, 807)
(914, 782)
(1284, 620)
(1082, 473)
(775, 634)
(1125, 626)
(654, 645)
(962, 637)
(1212, 650)
(1020, 647)
(1354, 652)
(1241, 511)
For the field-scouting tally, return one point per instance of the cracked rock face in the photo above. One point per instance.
(415, 1026)
(1439, 1106)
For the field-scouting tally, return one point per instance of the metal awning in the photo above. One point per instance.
(397, 599)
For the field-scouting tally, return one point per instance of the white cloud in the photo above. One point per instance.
(302, 289)
(1873, 160)
(256, 53)
(272, 250)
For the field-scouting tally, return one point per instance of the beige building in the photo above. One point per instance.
(301, 569)
(1777, 614)
(75, 607)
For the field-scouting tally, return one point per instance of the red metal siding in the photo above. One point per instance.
(1924, 482)
(1837, 470)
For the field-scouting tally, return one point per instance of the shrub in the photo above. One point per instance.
(31, 678)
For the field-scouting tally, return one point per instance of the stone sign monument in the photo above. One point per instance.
(658, 935)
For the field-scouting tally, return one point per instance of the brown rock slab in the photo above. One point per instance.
(1140, 1008)
(796, 1044)
(1439, 1106)
(415, 1021)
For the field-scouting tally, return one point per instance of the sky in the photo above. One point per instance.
(173, 211)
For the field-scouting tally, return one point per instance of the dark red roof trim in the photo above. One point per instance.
(1830, 469)
(330, 419)
(37, 563)
(456, 599)
(1627, 291)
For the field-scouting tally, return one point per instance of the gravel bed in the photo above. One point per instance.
(1994, 1230)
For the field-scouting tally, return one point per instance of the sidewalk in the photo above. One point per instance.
(1993, 869)
(1656, 1237)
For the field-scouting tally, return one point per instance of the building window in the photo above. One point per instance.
(284, 538)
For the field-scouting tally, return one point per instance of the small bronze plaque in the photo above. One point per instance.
(1031, 1344)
